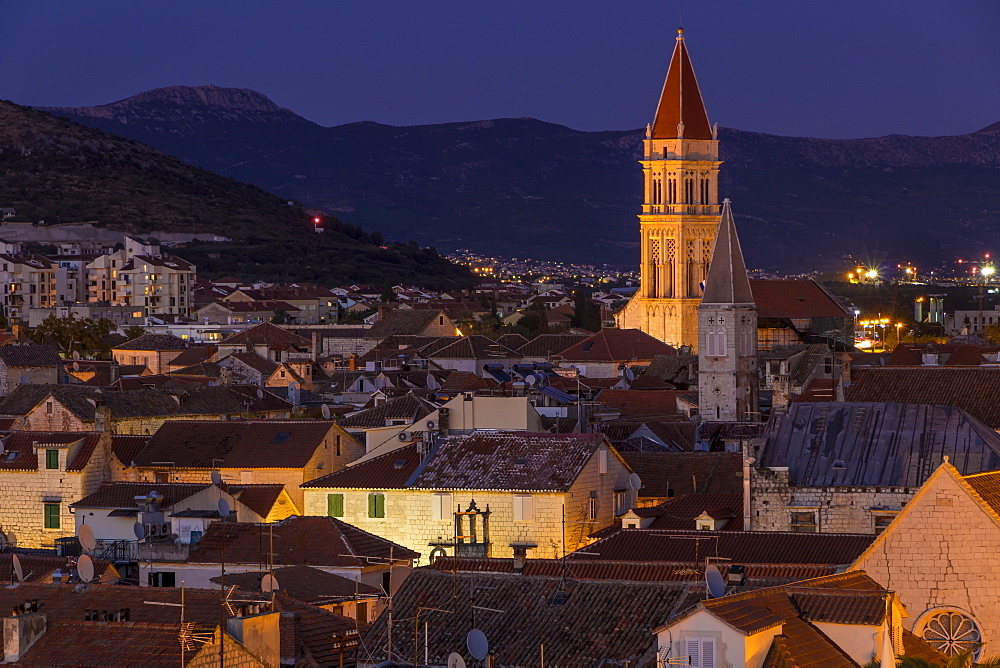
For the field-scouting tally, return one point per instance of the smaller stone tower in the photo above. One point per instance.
(727, 333)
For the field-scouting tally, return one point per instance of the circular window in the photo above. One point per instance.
(952, 633)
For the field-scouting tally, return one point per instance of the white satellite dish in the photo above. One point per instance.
(478, 645)
(531, 379)
(634, 482)
(139, 530)
(260, 393)
(325, 410)
(629, 374)
(18, 571)
(76, 355)
(268, 584)
(76, 366)
(85, 567)
(455, 660)
(216, 478)
(713, 580)
(86, 536)
(223, 508)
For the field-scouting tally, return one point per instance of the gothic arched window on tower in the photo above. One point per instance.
(710, 343)
(672, 191)
(720, 343)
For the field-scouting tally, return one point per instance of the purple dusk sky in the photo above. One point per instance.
(826, 69)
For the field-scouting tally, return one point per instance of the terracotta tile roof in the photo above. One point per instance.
(298, 541)
(675, 369)
(304, 583)
(640, 403)
(389, 471)
(508, 461)
(473, 347)
(795, 299)
(192, 355)
(589, 622)
(122, 494)
(680, 100)
(79, 400)
(19, 452)
(408, 407)
(201, 369)
(314, 634)
(973, 389)
(742, 547)
(874, 444)
(617, 345)
(19, 356)
(512, 341)
(681, 512)
(266, 334)
(918, 648)
(242, 444)
(638, 435)
(660, 571)
(82, 643)
(125, 448)
(466, 381)
(401, 321)
(546, 345)
(802, 644)
(165, 342)
(679, 472)
(258, 498)
(39, 567)
(260, 364)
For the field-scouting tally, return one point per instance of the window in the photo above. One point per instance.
(163, 579)
(376, 505)
(882, 523)
(48, 408)
(51, 459)
(441, 507)
(602, 461)
(592, 507)
(161, 476)
(524, 508)
(952, 632)
(803, 522)
(52, 516)
(710, 343)
(246, 477)
(621, 502)
(335, 505)
(362, 612)
(701, 652)
(720, 343)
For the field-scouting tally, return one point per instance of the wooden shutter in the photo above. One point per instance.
(701, 651)
(523, 508)
(380, 505)
(335, 505)
(372, 505)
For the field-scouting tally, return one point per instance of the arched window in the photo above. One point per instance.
(720, 343)
(710, 343)
(952, 632)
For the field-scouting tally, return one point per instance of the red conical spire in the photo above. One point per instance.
(680, 101)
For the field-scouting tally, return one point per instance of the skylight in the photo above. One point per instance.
(281, 437)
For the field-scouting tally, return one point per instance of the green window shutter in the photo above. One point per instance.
(335, 505)
(371, 506)
(51, 459)
(51, 515)
(380, 505)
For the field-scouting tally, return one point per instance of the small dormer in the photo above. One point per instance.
(637, 519)
(712, 520)
(930, 356)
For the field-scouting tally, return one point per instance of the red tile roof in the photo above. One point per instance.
(19, 451)
(640, 403)
(126, 447)
(795, 299)
(158, 342)
(389, 471)
(742, 547)
(617, 345)
(304, 583)
(680, 472)
(242, 444)
(308, 541)
(266, 334)
(680, 100)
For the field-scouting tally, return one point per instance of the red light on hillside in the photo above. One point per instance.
(316, 220)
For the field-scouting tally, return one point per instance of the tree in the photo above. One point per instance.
(85, 336)
(133, 332)
(280, 317)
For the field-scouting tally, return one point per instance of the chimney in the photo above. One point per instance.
(258, 633)
(352, 362)
(102, 418)
(20, 632)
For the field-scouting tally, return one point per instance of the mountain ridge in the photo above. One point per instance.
(531, 188)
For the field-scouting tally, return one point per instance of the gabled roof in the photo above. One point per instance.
(80, 400)
(402, 321)
(266, 334)
(408, 407)
(298, 541)
(741, 547)
(304, 583)
(727, 281)
(680, 100)
(121, 495)
(796, 299)
(687, 472)
(874, 444)
(389, 471)
(242, 444)
(516, 461)
(680, 513)
(158, 342)
(617, 345)
(474, 347)
(192, 355)
(19, 448)
(29, 356)
(546, 345)
(973, 389)
(580, 622)
(259, 364)
(125, 447)
(640, 403)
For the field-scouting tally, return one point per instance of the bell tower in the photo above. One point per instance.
(680, 210)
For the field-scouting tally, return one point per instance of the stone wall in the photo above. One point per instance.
(10, 378)
(942, 553)
(837, 509)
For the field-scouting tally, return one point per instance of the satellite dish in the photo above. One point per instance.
(629, 374)
(76, 366)
(76, 354)
(325, 410)
(216, 478)
(531, 379)
(18, 571)
(86, 536)
(223, 508)
(478, 645)
(23, 379)
(268, 584)
(139, 531)
(713, 580)
(634, 482)
(455, 660)
(85, 567)
(260, 393)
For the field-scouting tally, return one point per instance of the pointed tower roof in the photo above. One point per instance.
(727, 281)
(680, 100)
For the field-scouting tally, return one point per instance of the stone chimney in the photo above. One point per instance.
(20, 632)
(102, 418)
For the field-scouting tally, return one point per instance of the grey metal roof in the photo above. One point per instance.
(875, 444)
